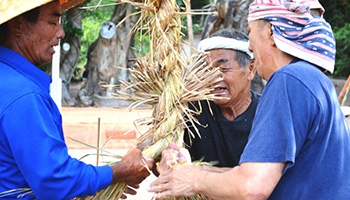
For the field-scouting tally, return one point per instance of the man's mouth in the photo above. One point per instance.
(52, 48)
(219, 90)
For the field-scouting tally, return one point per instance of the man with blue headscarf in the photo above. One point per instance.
(299, 145)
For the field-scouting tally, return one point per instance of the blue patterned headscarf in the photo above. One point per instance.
(296, 32)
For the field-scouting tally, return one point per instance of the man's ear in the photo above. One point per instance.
(16, 26)
(270, 32)
(252, 69)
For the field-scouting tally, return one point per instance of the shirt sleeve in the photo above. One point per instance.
(281, 122)
(36, 141)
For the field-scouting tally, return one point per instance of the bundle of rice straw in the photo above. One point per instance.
(167, 81)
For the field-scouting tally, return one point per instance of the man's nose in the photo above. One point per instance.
(60, 33)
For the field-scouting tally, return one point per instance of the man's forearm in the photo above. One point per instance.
(216, 169)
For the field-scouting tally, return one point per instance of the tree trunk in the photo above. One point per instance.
(100, 65)
(70, 54)
(230, 14)
(108, 59)
(123, 42)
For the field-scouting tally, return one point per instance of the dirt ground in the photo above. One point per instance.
(114, 125)
(83, 124)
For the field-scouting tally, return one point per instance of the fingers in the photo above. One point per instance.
(135, 186)
(156, 186)
(130, 190)
(160, 189)
(163, 194)
(148, 162)
(133, 168)
(171, 157)
(172, 145)
(155, 169)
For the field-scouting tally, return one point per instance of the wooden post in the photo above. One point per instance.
(56, 85)
(98, 141)
(343, 91)
(189, 25)
(100, 65)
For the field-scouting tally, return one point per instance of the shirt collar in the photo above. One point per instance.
(24, 67)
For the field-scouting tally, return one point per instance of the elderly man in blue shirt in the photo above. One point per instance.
(33, 153)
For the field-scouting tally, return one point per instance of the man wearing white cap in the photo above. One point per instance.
(225, 123)
(299, 146)
(33, 153)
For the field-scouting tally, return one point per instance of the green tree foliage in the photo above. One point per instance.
(337, 12)
(92, 21)
(338, 15)
(141, 45)
(342, 35)
(93, 16)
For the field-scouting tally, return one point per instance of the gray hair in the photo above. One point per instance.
(242, 57)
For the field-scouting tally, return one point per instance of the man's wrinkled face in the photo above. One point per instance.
(39, 39)
(235, 78)
(259, 40)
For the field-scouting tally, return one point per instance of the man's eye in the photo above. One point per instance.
(224, 69)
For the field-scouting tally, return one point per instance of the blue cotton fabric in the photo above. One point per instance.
(299, 122)
(311, 40)
(33, 153)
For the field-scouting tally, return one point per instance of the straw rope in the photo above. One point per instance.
(168, 81)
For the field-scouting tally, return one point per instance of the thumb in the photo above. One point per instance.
(149, 162)
(174, 146)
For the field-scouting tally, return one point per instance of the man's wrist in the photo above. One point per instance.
(200, 180)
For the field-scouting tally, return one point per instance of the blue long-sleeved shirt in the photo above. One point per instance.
(33, 153)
